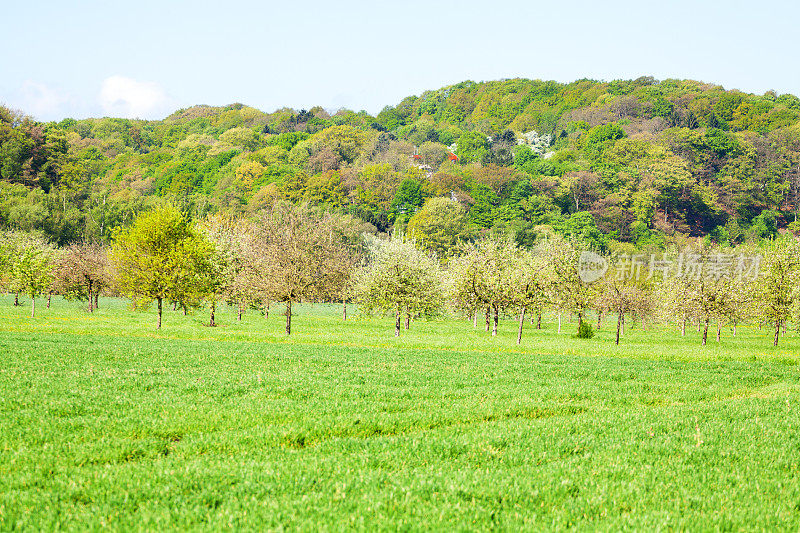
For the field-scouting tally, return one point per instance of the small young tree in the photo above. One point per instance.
(488, 274)
(161, 256)
(14, 247)
(298, 252)
(218, 281)
(338, 282)
(674, 299)
(398, 278)
(621, 295)
(709, 299)
(466, 295)
(534, 285)
(81, 272)
(32, 267)
(570, 293)
(777, 288)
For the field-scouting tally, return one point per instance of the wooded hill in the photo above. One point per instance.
(640, 161)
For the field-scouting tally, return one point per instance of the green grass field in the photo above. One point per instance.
(106, 423)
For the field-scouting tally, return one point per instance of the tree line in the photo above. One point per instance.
(295, 253)
(648, 162)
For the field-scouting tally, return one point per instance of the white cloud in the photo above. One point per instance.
(42, 101)
(129, 98)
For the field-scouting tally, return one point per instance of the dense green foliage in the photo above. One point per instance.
(106, 424)
(641, 161)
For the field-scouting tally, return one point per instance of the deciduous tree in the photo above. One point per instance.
(161, 256)
(399, 278)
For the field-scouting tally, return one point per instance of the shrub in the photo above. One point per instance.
(585, 330)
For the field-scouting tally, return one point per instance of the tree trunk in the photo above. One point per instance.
(213, 308)
(185, 309)
(49, 297)
(397, 324)
(239, 310)
(344, 309)
(580, 323)
(777, 332)
(559, 322)
(705, 333)
(91, 300)
(496, 318)
(288, 316)
(408, 319)
(16, 299)
(158, 324)
(487, 319)
(599, 318)
(266, 311)
(734, 328)
(539, 321)
(521, 322)
(719, 330)
(619, 325)
(97, 299)
(683, 327)
(174, 306)
(623, 324)
(475, 318)
(33, 307)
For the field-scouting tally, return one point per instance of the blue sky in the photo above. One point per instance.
(147, 58)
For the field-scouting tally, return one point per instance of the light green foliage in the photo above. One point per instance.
(27, 262)
(472, 146)
(672, 158)
(439, 226)
(488, 276)
(400, 279)
(600, 136)
(344, 141)
(162, 257)
(777, 289)
(570, 293)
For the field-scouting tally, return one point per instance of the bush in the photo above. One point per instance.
(585, 330)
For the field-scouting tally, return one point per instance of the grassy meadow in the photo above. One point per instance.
(107, 423)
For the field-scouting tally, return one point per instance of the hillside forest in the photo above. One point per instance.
(613, 165)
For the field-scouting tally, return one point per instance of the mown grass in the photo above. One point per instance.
(106, 423)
